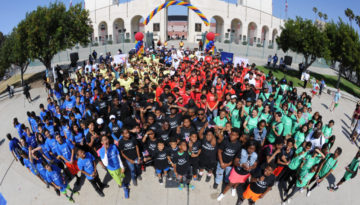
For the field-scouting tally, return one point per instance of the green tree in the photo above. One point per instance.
(350, 14)
(15, 50)
(53, 29)
(304, 37)
(357, 20)
(320, 14)
(315, 10)
(344, 45)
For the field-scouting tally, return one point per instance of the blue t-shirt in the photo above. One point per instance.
(55, 177)
(78, 138)
(31, 166)
(64, 149)
(31, 140)
(87, 164)
(113, 157)
(13, 144)
(41, 169)
(68, 105)
(50, 127)
(19, 130)
(51, 145)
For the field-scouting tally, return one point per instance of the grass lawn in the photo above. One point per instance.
(293, 75)
(15, 80)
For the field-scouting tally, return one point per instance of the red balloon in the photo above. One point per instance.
(139, 36)
(210, 36)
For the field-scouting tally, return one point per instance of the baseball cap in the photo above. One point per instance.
(99, 121)
(112, 117)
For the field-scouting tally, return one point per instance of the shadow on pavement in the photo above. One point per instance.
(347, 116)
(2, 141)
(325, 106)
(345, 123)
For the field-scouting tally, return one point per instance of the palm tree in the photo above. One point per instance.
(315, 10)
(325, 17)
(320, 14)
(350, 14)
(357, 20)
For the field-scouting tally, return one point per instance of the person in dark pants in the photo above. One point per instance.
(27, 93)
(322, 85)
(15, 148)
(10, 91)
(87, 166)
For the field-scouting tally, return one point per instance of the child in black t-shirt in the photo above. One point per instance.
(171, 153)
(195, 149)
(181, 165)
(160, 160)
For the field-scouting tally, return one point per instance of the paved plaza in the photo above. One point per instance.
(19, 186)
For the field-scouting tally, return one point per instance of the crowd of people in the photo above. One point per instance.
(186, 114)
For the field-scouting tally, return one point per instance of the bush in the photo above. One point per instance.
(259, 45)
(226, 41)
(271, 46)
(95, 44)
(110, 42)
(127, 40)
(244, 43)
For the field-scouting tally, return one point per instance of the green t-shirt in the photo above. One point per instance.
(330, 164)
(304, 177)
(354, 165)
(266, 117)
(296, 161)
(247, 110)
(310, 161)
(327, 131)
(264, 96)
(231, 106)
(278, 100)
(220, 122)
(251, 124)
(279, 127)
(299, 138)
(296, 125)
(235, 118)
(287, 121)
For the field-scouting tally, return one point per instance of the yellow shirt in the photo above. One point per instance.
(126, 83)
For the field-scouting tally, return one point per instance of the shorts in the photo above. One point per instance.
(313, 92)
(336, 104)
(73, 168)
(159, 171)
(207, 165)
(248, 194)
(236, 178)
(117, 175)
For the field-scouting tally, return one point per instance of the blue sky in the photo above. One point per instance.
(14, 11)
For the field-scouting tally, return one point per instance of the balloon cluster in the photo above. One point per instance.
(139, 46)
(210, 46)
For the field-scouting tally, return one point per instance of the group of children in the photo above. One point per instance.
(230, 124)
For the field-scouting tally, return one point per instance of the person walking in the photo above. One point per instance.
(27, 93)
(335, 101)
(306, 77)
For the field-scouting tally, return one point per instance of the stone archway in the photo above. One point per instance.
(236, 30)
(136, 26)
(103, 32)
(217, 26)
(274, 35)
(252, 33)
(119, 30)
(265, 35)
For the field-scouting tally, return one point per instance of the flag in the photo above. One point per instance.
(286, 6)
(70, 3)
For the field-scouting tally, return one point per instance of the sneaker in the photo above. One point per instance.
(301, 190)
(233, 192)
(126, 192)
(161, 181)
(289, 201)
(71, 199)
(283, 203)
(308, 194)
(105, 186)
(168, 177)
(199, 177)
(181, 186)
(135, 182)
(101, 194)
(215, 186)
(207, 178)
(139, 178)
(192, 187)
(220, 197)
(195, 177)
(57, 192)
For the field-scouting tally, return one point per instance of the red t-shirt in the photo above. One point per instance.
(210, 98)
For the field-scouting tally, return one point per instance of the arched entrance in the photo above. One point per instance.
(103, 32)
(274, 35)
(236, 30)
(265, 35)
(217, 26)
(119, 30)
(136, 26)
(252, 33)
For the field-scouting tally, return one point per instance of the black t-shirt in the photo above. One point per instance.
(208, 152)
(154, 126)
(288, 156)
(129, 148)
(115, 129)
(102, 106)
(196, 147)
(172, 152)
(163, 135)
(260, 187)
(160, 159)
(116, 111)
(151, 145)
(199, 124)
(174, 121)
(97, 141)
(182, 163)
(230, 150)
(185, 133)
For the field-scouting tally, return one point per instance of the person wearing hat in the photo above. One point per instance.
(115, 127)
(231, 104)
